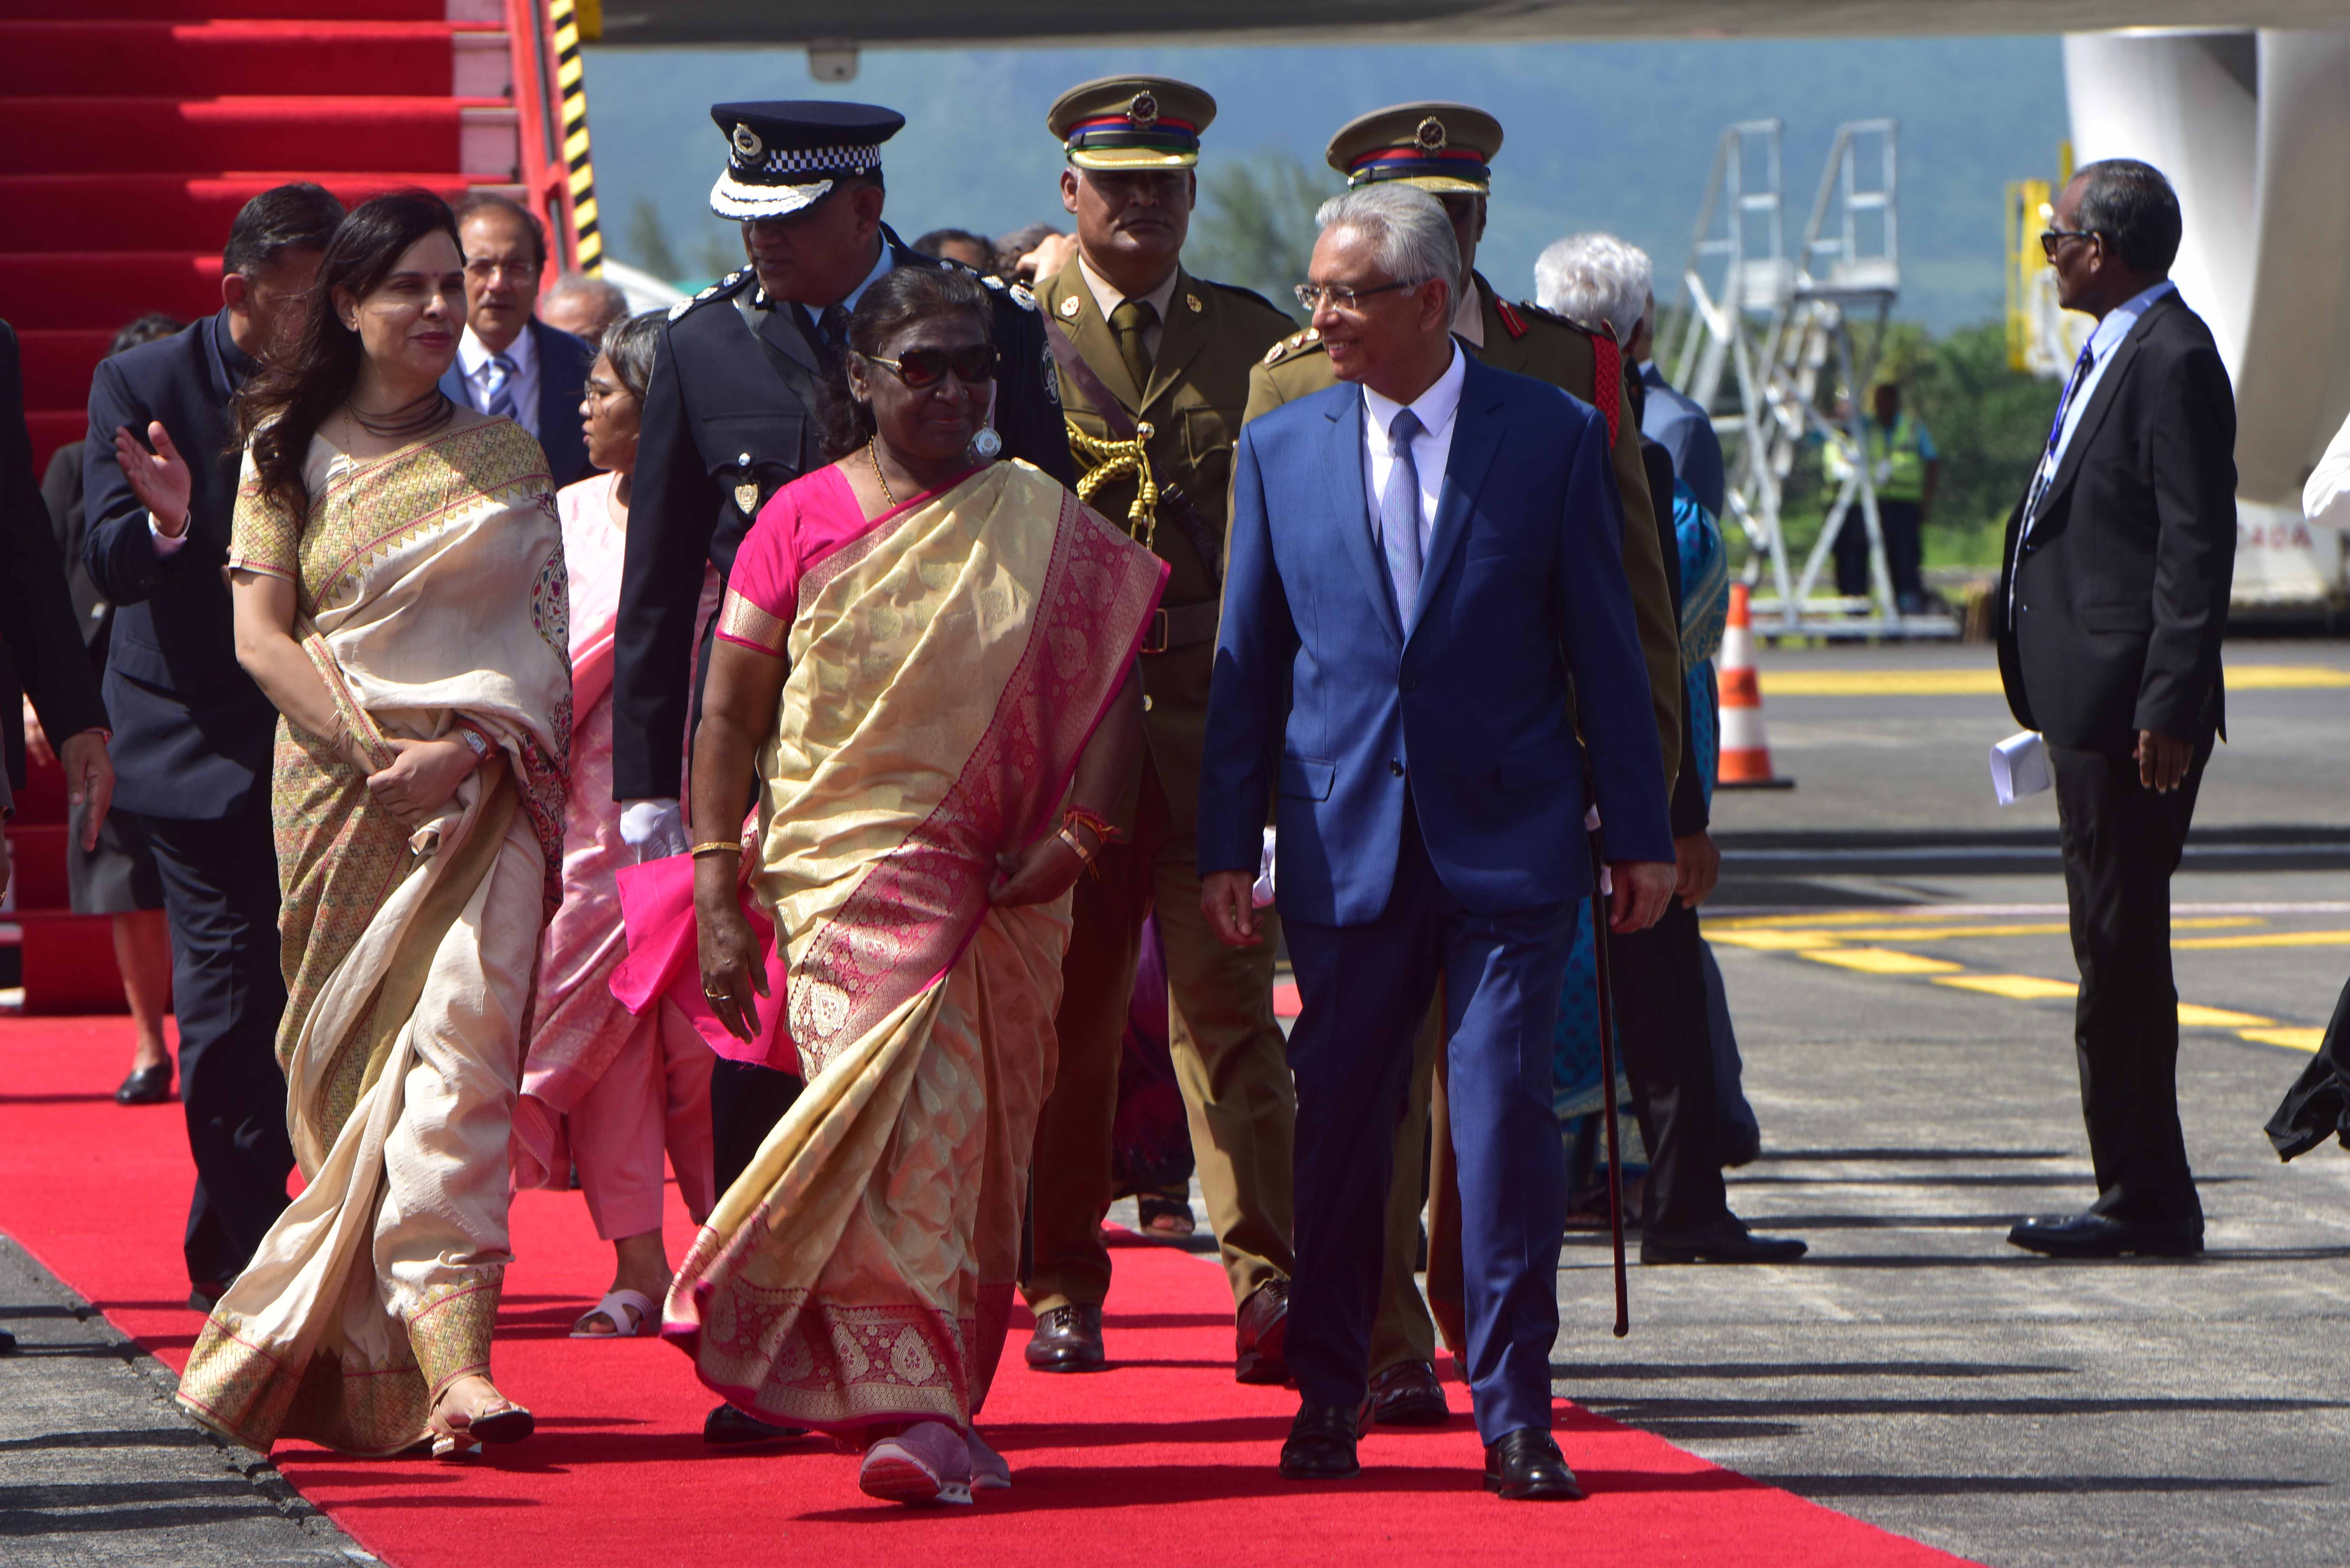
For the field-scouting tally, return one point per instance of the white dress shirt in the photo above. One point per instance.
(1438, 409)
(473, 365)
(1108, 299)
(2107, 338)
(2326, 499)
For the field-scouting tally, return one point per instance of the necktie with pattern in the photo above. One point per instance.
(502, 378)
(1127, 324)
(2041, 480)
(1399, 516)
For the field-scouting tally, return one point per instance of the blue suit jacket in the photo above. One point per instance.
(1674, 422)
(1321, 692)
(564, 362)
(192, 732)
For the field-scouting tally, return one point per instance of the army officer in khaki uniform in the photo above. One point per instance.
(1446, 148)
(1170, 355)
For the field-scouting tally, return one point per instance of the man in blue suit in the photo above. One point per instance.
(1421, 563)
(509, 362)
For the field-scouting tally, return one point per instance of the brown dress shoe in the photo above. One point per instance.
(1408, 1394)
(1263, 1329)
(1068, 1339)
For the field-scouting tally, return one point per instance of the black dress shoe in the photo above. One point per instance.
(1725, 1242)
(2095, 1236)
(1321, 1444)
(1262, 1332)
(727, 1425)
(1408, 1394)
(1525, 1466)
(146, 1086)
(1068, 1339)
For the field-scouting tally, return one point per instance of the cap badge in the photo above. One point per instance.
(1430, 134)
(747, 145)
(1142, 112)
(1069, 306)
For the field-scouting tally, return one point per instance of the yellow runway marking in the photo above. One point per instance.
(1881, 960)
(2193, 1017)
(2291, 1039)
(1986, 682)
(2014, 986)
(1775, 941)
(2272, 939)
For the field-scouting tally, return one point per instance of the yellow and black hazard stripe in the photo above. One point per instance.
(571, 87)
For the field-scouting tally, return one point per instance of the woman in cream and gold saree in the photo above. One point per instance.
(397, 571)
(928, 657)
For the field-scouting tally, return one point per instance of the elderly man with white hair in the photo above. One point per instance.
(1422, 558)
(1598, 279)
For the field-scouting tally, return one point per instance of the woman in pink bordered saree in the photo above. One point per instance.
(928, 658)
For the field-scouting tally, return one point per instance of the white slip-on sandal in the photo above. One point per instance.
(614, 1305)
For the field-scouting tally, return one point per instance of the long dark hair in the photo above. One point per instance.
(281, 408)
(897, 300)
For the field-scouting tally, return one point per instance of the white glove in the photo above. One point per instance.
(1260, 893)
(655, 829)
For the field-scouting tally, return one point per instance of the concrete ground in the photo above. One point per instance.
(1894, 948)
(98, 1467)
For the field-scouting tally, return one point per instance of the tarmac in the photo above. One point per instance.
(1895, 951)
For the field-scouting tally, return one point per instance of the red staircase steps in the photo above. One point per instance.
(131, 132)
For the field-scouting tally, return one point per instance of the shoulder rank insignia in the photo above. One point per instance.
(1021, 296)
(1511, 322)
(1290, 344)
(990, 279)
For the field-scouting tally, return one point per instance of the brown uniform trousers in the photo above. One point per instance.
(1228, 1049)
(1528, 342)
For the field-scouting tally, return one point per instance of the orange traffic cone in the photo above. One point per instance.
(1745, 749)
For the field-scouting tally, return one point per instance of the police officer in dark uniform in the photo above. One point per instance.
(733, 413)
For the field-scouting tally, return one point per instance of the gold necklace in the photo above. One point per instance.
(873, 450)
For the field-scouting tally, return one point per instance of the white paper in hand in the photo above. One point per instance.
(2019, 766)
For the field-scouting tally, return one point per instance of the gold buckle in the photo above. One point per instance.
(1155, 639)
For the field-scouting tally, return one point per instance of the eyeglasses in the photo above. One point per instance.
(1312, 294)
(920, 367)
(2051, 238)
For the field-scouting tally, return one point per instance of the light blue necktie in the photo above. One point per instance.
(1399, 516)
(502, 402)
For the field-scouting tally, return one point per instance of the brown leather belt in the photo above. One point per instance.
(1181, 626)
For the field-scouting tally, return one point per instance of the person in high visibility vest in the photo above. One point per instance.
(1905, 468)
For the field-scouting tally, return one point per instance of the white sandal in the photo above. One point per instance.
(614, 1303)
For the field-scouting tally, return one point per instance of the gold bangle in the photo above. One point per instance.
(717, 846)
(1085, 858)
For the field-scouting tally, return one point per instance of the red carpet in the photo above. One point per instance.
(1163, 1460)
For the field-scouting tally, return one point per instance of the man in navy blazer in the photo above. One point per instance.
(509, 362)
(1422, 565)
(193, 734)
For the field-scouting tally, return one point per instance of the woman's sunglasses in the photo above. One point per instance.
(920, 367)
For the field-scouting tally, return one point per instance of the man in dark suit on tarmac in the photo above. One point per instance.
(2110, 613)
(193, 734)
(1421, 561)
(509, 362)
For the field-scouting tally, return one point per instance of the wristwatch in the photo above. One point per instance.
(472, 739)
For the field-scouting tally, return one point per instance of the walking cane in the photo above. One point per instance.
(1607, 1066)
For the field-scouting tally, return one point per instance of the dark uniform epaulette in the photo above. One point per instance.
(726, 288)
(1248, 293)
(1536, 312)
(1295, 343)
(1018, 293)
